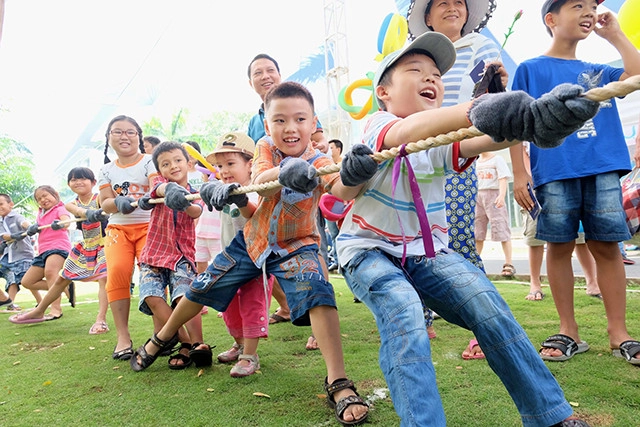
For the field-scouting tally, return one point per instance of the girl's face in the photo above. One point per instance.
(124, 138)
(81, 186)
(45, 199)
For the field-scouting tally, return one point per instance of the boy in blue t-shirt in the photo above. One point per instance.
(579, 180)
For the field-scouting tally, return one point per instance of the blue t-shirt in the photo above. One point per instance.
(256, 126)
(599, 146)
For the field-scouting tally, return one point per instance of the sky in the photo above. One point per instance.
(63, 62)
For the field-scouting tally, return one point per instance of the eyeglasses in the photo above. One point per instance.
(118, 132)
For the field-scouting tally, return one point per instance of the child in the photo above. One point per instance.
(86, 261)
(121, 182)
(247, 315)
(396, 266)
(284, 241)
(15, 257)
(579, 181)
(53, 246)
(167, 260)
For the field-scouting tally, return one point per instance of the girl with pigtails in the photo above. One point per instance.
(121, 182)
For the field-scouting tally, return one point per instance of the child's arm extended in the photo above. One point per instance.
(609, 29)
(267, 176)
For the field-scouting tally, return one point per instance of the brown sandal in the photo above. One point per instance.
(508, 270)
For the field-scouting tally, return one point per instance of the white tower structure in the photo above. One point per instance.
(337, 123)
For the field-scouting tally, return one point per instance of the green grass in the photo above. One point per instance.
(55, 373)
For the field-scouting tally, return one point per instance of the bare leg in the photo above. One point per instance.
(561, 284)
(609, 264)
(536, 255)
(103, 304)
(30, 281)
(507, 250)
(326, 328)
(588, 264)
(52, 294)
(120, 311)
(281, 299)
(52, 268)
(479, 246)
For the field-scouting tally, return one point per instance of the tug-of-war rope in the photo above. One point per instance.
(599, 94)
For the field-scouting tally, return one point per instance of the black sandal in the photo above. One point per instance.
(147, 359)
(202, 357)
(344, 403)
(186, 360)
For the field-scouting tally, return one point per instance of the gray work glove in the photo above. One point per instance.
(18, 236)
(217, 195)
(298, 175)
(357, 166)
(175, 197)
(545, 121)
(32, 230)
(55, 225)
(95, 215)
(123, 204)
(143, 203)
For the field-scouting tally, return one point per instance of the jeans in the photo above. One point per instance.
(461, 294)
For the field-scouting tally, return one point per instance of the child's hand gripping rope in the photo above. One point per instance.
(216, 195)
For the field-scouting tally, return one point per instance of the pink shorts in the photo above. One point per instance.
(498, 218)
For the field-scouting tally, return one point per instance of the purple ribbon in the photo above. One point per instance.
(427, 240)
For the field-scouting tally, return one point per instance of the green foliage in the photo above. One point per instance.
(55, 373)
(16, 178)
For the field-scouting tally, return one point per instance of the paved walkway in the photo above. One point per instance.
(493, 259)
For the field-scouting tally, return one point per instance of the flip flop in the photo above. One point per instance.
(534, 296)
(19, 319)
(277, 319)
(99, 328)
(567, 345)
(49, 317)
(472, 343)
(628, 350)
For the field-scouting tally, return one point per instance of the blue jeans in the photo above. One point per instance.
(461, 294)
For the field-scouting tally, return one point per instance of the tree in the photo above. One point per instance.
(16, 179)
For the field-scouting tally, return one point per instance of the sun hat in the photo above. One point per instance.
(436, 44)
(233, 142)
(479, 13)
(546, 7)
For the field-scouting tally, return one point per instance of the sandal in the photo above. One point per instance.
(147, 359)
(628, 350)
(567, 345)
(508, 270)
(186, 360)
(202, 357)
(344, 403)
(99, 328)
(124, 354)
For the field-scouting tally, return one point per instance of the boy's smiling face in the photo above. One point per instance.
(290, 122)
(415, 85)
(575, 20)
(5, 207)
(174, 166)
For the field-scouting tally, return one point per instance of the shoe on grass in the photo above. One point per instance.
(6, 303)
(232, 354)
(243, 370)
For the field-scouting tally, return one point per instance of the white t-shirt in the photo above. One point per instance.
(490, 171)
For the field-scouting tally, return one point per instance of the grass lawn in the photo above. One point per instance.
(56, 374)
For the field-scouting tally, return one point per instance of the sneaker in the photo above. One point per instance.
(6, 302)
(628, 261)
(243, 370)
(232, 354)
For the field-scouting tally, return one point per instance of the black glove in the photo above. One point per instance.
(298, 175)
(217, 195)
(123, 204)
(3, 246)
(32, 230)
(545, 121)
(357, 166)
(55, 225)
(18, 236)
(175, 197)
(96, 215)
(143, 203)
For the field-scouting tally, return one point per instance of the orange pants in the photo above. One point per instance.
(123, 244)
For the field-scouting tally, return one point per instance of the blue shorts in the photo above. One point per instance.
(298, 273)
(154, 281)
(41, 259)
(595, 200)
(13, 272)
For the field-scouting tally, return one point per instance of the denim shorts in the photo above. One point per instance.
(41, 259)
(298, 273)
(14, 272)
(596, 200)
(155, 280)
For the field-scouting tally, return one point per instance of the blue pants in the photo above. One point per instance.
(461, 294)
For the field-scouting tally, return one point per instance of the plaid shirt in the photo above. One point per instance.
(171, 236)
(289, 217)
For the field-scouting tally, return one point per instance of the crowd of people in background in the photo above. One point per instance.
(407, 234)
